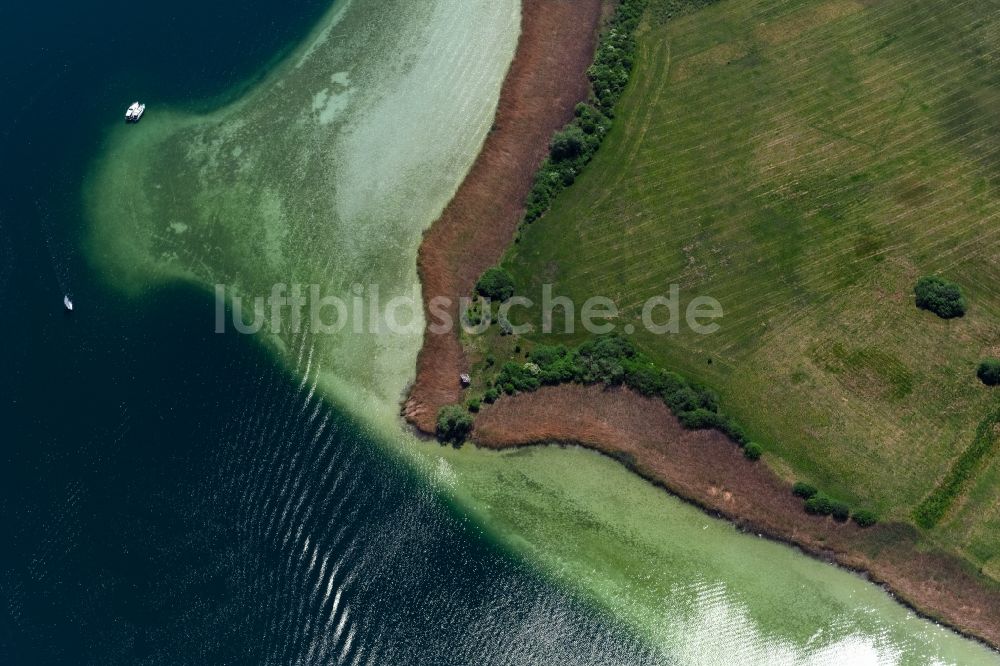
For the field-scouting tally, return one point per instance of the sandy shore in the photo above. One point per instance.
(546, 80)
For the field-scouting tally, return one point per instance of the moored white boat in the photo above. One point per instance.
(67, 303)
(134, 112)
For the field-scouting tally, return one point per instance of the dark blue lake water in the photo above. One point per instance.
(171, 496)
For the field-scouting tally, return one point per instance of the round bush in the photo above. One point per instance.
(804, 490)
(940, 296)
(819, 505)
(989, 372)
(865, 518)
(840, 511)
(453, 424)
(495, 284)
(753, 451)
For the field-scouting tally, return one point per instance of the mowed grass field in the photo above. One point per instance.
(804, 162)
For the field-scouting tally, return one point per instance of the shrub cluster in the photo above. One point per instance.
(570, 150)
(940, 296)
(574, 146)
(818, 504)
(516, 378)
(615, 55)
(989, 372)
(821, 505)
(613, 360)
(454, 424)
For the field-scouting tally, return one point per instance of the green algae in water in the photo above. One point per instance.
(327, 173)
(694, 586)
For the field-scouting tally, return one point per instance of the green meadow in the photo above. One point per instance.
(804, 162)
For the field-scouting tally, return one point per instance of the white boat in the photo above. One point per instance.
(134, 112)
(67, 303)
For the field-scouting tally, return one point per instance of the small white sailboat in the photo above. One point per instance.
(67, 303)
(134, 112)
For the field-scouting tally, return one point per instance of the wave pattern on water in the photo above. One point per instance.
(344, 559)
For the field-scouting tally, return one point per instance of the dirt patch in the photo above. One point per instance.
(705, 468)
(547, 78)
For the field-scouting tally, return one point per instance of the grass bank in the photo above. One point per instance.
(804, 163)
(765, 156)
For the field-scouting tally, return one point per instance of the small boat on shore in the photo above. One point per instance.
(67, 303)
(134, 112)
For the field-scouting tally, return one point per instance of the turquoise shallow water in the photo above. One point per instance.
(152, 471)
(178, 496)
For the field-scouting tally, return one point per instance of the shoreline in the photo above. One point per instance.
(705, 469)
(545, 81)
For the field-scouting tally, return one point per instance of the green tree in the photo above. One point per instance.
(495, 284)
(989, 372)
(753, 451)
(940, 296)
(453, 424)
(568, 144)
